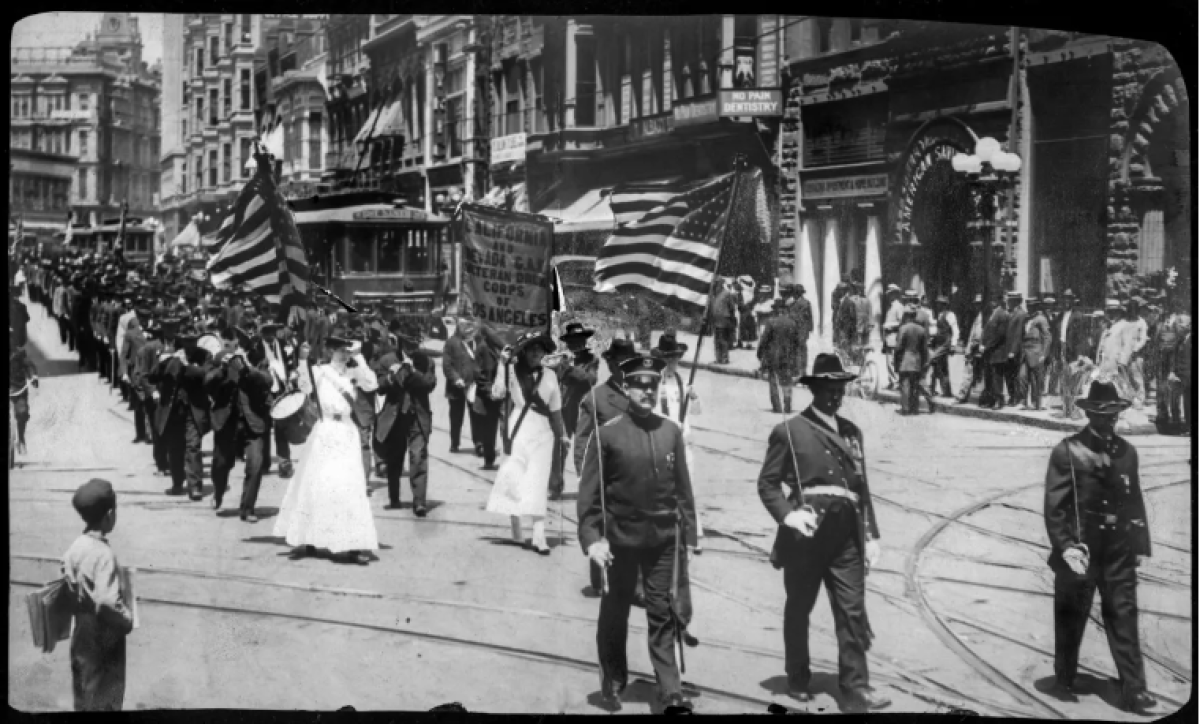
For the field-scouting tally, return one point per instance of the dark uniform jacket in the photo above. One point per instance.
(779, 344)
(221, 384)
(458, 363)
(143, 366)
(912, 347)
(995, 347)
(576, 381)
(822, 458)
(646, 485)
(1110, 495)
(181, 393)
(405, 393)
(254, 399)
(607, 401)
(487, 366)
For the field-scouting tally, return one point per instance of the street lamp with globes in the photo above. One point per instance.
(989, 170)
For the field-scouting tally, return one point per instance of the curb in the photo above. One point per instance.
(889, 397)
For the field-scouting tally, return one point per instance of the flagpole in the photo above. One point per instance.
(708, 310)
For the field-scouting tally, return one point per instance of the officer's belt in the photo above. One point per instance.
(630, 512)
(831, 490)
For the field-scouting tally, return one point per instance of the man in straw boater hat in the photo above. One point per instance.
(635, 505)
(827, 531)
(1098, 530)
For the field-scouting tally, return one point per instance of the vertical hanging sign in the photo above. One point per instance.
(768, 51)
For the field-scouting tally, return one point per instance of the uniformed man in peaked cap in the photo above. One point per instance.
(827, 531)
(634, 492)
(1096, 522)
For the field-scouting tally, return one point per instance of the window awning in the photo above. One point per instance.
(392, 122)
(368, 126)
(369, 214)
(589, 212)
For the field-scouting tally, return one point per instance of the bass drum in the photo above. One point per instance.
(296, 415)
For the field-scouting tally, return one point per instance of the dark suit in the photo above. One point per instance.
(1114, 528)
(648, 492)
(801, 311)
(254, 428)
(81, 322)
(133, 344)
(1014, 336)
(911, 356)
(458, 365)
(995, 353)
(835, 552)
(777, 358)
(486, 412)
(406, 422)
(182, 419)
(724, 323)
(221, 384)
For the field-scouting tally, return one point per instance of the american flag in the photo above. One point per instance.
(666, 241)
(261, 248)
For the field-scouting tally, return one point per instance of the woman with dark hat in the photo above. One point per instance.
(535, 427)
(326, 503)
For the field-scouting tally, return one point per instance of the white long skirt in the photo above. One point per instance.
(326, 504)
(523, 481)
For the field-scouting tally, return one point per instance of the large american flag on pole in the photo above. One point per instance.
(666, 241)
(261, 248)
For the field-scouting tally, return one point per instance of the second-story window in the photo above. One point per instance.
(199, 61)
(226, 162)
(212, 107)
(83, 144)
(212, 167)
(315, 161)
(227, 87)
(199, 112)
(228, 38)
(245, 83)
(213, 50)
(244, 158)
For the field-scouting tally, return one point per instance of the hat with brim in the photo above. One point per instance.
(575, 331)
(1013, 296)
(1112, 305)
(668, 347)
(1068, 294)
(893, 288)
(942, 299)
(765, 289)
(747, 280)
(531, 338)
(1049, 300)
(827, 368)
(1102, 399)
(619, 350)
(335, 342)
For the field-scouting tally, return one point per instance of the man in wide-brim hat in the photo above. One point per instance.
(827, 531)
(1099, 533)
(575, 335)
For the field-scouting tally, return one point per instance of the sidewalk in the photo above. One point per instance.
(744, 363)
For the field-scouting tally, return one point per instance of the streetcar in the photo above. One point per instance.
(372, 250)
(139, 238)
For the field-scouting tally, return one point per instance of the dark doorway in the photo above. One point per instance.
(942, 208)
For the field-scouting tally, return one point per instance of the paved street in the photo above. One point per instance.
(451, 612)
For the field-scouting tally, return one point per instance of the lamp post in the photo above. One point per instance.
(989, 170)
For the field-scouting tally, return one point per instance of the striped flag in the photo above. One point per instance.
(262, 251)
(666, 241)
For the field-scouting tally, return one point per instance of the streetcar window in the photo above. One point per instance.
(389, 250)
(416, 252)
(362, 247)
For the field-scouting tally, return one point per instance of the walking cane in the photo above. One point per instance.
(675, 617)
(603, 507)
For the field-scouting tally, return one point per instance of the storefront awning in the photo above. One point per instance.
(392, 122)
(369, 214)
(589, 212)
(368, 126)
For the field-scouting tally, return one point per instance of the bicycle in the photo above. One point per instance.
(859, 359)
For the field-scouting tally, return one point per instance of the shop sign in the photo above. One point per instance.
(690, 113)
(768, 51)
(640, 128)
(508, 148)
(846, 186)
(73, 115)
(751, 102)
(373, 214)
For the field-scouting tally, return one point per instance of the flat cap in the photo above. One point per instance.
(641, 366)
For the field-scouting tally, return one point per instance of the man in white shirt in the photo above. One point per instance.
(942, 341)
(891, 327)
(1141, 335)
(1115, 349)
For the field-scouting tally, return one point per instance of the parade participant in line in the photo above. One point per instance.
(487, 410)
(634, 495)
(254, 425)
(1033, 356)
(61, 309)
(277, 367)
(18, 317)
(406, 377)
(912, 354)
(777, 356)
(671, 393)
(326, 504)
(131, 348)
(1097, 525)
(102, 614)
(127, 316)
(828, 532)
(577, 376)
(21, 374)
(221, 384)
(458, 365)
(535, 427)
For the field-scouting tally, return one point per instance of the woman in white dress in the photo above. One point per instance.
(326, 503)
(535, 424)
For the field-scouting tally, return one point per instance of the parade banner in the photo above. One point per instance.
(505, 281)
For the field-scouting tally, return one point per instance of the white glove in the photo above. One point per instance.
(600, 553)
(1075, 559)
(804, 521)
(394, 368)
(872, 553)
